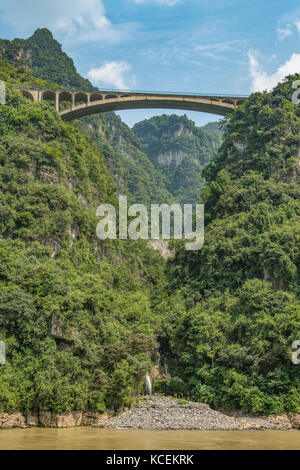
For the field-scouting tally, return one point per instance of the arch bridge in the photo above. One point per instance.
(72, 104)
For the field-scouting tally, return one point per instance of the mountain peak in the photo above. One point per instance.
(42, 32)
(43, 38)
(48, 61)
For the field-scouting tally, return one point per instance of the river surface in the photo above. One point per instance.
(83, 438)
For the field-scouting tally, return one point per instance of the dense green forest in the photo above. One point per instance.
(82, 318)
(77, 315)
(132, 171)
(234, 307)
(179, 150)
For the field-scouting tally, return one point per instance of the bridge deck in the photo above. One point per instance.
(84, 103)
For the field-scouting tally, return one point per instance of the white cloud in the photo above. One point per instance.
(284, 32)
(217, 47)
(169, 3)
(77, 20)
(262, 81)
(288, 29)
(218, 50)
(297, 24)
(113, 73)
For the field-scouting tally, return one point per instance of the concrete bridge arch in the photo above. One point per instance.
(73, 104)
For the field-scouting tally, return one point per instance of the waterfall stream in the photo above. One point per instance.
(148, 384)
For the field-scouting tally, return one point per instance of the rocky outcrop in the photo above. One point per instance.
(248, 422)
(240, 147)
(48, 419)
(294, 420)
(14, 420)
(163, 247)
(93, 418)
(60, 420)
(171, 157)
(32, 420)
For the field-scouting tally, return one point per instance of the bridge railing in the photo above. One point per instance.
(144, 92)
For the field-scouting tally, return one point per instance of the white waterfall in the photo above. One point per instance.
(148, 384)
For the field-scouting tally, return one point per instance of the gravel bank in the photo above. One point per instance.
(165, 413)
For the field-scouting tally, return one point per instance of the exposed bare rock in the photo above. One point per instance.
(60, 420)
(175, 156)
(93, 418)
(45, 419)
(281, 421)
(67, 420)
(264, 422)
(49, 176)
(240, 147)
(14, 420)
(32, 419)
(162, 247)
(294, 420)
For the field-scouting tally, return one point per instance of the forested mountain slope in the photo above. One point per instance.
(77, 314)
(79, 317)
(43, 56)
(234, 307)
(132, 171)
(179, 150)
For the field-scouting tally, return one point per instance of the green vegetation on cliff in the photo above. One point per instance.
(43, 56)
(132, 171)
(179, 150)
(77, 314)
(21, 76)
(79, 317)
(236, 310)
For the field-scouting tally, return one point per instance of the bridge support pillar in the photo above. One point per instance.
(35, 95)
(73, 100)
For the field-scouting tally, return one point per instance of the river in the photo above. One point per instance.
(84, 438)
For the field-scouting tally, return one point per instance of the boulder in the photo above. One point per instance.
(94, 418)
(295, 420)
(45, 419)
(67, 420)
(60, 420)
(14, 420)
(32, 419)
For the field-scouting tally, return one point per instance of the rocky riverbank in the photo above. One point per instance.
(155, 413)
(165, 413)
(48, 419)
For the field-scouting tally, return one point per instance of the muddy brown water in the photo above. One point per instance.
(83, 438)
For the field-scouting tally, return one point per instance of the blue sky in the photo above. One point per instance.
(212, 46)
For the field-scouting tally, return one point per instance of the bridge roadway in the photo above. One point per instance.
(73, 104)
